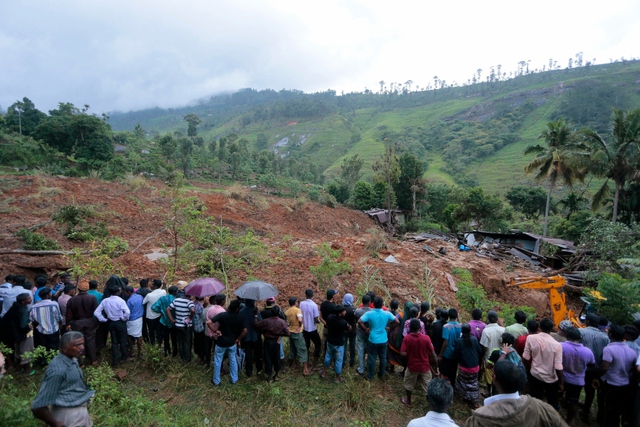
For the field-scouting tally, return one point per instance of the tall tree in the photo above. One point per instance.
(617, 159)
(350, 170)
(193, 122)
(558, 161)
(388, 172)
(23, 117)
(410, 180)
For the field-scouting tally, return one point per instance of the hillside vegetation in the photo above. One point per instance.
(470, 135)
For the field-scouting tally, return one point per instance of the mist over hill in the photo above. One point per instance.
(469, 135)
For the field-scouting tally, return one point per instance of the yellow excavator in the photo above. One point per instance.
(556, 298)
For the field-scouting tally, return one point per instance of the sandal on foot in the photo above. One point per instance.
(404, 402)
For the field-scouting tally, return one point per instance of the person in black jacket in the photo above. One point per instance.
(17, 327)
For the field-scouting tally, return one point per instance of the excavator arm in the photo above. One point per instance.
(557, 300)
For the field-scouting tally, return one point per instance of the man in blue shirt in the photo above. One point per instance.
(377, 344)
(450, 333)
(134, 324)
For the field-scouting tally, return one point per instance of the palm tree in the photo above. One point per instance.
(558, 161)
(618, 159)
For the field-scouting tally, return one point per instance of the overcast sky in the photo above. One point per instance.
(124, 55)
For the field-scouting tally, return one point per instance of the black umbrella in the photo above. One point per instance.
(256, 290)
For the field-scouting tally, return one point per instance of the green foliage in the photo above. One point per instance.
(112, 247)
(16, 403)
(328, 200)
(329, 265)
(409, 181)
(621, 298)
(26, 152)
(41, 354)
(363, 196)
(529, 200)
(23, 117)
(36, 241)
(350, 170)
(339, 189)
(487, 211)
(75, 218)
(574, 227)
(469, 294)
(604, 242)
(95, 265)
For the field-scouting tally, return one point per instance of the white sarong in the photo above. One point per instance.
(134, 328)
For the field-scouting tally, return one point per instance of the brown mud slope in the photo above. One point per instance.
(290, 228)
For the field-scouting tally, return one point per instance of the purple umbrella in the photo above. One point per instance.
(204, 287)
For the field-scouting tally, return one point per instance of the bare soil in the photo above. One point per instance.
(294, 228)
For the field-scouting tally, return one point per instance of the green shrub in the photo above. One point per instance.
(328, 200)
(329, 266)
(506, 312)
(36, 241)
(112, 247)
(620, 298)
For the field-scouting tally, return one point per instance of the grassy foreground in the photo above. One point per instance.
(158, 391)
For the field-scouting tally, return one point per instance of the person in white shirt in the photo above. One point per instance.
(440, 398)
(153, 318)
(117, 313)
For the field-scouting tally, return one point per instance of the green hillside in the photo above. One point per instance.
(469, 135)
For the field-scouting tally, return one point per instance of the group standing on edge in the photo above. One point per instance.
(522, 365)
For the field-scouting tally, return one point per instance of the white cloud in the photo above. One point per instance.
(134, 54)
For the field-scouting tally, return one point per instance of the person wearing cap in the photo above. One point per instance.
(595, 340)
(79, 318)
(297, 347)
(327, 308)
(47, 318)
(575, 359)
(310, 314)
(561, 335)
(336, 326)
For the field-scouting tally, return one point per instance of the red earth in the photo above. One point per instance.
(292, 229)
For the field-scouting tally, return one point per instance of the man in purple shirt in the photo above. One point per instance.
(575, 358)
(134, 324)
(477, 325)
(618, 362)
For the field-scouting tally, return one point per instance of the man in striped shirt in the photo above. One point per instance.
(184, 309)
(47, 317)
(63, 395)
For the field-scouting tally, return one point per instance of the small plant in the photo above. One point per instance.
(328, 200)
(135, 182)
(35, 241)
(236, 192)
(329, 266)
(41, 354)
(376, 240)
(426, 286)
(75, 218)
(469, 294)
(112, 247)
(372, 281)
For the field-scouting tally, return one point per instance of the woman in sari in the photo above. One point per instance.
(468, 352)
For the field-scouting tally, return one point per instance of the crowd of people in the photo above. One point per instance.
(523, 365)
